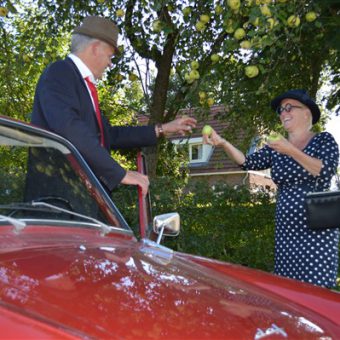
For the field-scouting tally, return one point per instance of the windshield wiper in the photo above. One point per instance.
(46, 207)
(105, 228)
(17, 224)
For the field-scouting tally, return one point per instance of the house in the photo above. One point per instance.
(212, 164)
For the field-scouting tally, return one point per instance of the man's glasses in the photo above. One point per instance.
(287, 108)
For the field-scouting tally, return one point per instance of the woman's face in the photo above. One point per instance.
(295, 115)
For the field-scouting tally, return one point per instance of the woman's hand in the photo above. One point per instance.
(282, 146)
(214, 139)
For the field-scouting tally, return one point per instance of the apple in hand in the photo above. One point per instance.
(207, 130)
(274, 137)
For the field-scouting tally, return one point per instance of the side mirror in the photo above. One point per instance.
(167, 225)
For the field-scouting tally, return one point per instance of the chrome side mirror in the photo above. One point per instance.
(167, 225)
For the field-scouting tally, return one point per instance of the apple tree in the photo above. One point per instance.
(194, 54)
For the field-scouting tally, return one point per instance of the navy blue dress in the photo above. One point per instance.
(301, 253)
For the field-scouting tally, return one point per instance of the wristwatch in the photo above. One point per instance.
(160, 131)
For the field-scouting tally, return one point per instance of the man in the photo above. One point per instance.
(65, 102)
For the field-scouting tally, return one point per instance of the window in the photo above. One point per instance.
(197, 151)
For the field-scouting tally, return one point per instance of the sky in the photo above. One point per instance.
(333, 127)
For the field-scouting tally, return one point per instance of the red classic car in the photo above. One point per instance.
(71, 267)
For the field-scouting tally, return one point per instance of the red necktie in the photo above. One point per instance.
(94, 94)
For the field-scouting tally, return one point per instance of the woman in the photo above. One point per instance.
(299, 164)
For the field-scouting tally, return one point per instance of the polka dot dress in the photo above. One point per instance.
(301, 253)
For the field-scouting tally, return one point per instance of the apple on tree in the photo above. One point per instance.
(204, 18)
(239, 34)
(234, 4)
(215, 58)
(194, 65)
(245, 44)
(186, 11)
(293, 21)
(3, 11)
(218, 9)
(251, 71)
(202, 94)
(200, 26)
(265, 11)
(210, 101)
(310, 16)
(157, 26)
(120, 12)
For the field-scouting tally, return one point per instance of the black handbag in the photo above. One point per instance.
(323, 209)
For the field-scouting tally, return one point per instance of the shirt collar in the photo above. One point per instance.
(83, 69)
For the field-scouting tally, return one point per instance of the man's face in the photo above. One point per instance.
(103, 54)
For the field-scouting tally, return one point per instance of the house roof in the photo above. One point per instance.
(219, 162)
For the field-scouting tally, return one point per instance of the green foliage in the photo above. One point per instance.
(225, 223)
(229, 224)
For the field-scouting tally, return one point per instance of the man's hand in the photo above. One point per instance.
(136, 178)
(181, 125)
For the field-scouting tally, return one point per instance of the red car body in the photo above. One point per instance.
(69, 277)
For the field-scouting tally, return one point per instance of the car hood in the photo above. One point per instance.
(119, 288)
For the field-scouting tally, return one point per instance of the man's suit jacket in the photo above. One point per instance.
(62, 104)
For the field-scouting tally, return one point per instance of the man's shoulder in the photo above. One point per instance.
(63, 65)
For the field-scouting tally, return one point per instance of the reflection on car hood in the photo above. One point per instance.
(117, 287)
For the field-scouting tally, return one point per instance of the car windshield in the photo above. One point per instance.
(43, 177)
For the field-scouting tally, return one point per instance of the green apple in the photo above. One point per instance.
(265, 11)
(133, 77)
(229, 25)
(234, 4)
(118, 77)
(188, 79)
(200, 26)
(26, 58)
(205, 18)
(239, 34)
(215, 58)
(202, 95)
(310, 16)
(207, 130)
(194, 74)
(256, 21)
(157, 26)
(3, 11)
(245, 44)
(293, 21)
(271, 23)
(120, 12)
(186, 11)
(194, 65)
(274, 136)
(218, 9)
(210, 101)
(251, 71)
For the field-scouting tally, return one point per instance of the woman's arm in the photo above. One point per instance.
(235, 154)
